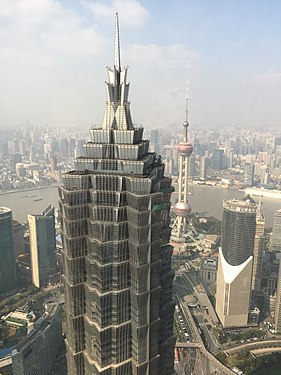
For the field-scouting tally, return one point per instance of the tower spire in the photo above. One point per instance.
(182, 208)
(186, 123)
(186, 102)
(117, 111)
(117, 58)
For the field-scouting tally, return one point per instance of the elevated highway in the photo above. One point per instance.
(265, 345)
(198, 342)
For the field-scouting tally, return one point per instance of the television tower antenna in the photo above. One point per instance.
(182, 208)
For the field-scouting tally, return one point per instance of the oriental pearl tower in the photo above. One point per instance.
(182, 208)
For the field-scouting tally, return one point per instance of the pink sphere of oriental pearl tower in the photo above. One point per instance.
(182, 208)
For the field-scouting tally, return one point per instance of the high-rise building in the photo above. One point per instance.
(217, 159)
(259, 245)
(203, 167)
(265, 175)
(276, 233)
(277, 310)
(238, 229)
(116, 253)
(42, 237)
(18, 236)
(7, 256)
(230, 158)
(233, 292)
(154, 136)
(191, 167)
(36, 353)
(249, 174)
(236, 261)
(277, 142)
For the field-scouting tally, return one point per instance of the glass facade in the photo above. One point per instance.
(117, 258)
(8, 262)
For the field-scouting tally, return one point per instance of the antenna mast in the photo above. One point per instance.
(117, 58)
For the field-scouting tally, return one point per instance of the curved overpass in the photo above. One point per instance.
(265, 345)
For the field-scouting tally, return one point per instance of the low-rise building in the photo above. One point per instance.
(208, 269)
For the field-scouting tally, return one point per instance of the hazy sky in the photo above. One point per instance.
(53, 55)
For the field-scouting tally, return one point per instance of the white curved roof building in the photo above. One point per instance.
(233, 292)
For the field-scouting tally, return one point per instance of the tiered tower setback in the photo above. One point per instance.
(117, 258)
(182, 208)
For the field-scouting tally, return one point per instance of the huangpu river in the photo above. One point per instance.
(205, 199)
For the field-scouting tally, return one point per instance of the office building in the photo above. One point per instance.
(249, 174)
(208, 269)
(277, 310)
(217, 159)
(265, 176)
(7, 256)
(18, 237)
(36, 353)
(154, 136)
(259, 245)
(191, 167)
(117, 258)
(42, 246)
(203, 167)
(233, 292)
(276, 233)
(238, 229)
(236, 261)
(230, 158)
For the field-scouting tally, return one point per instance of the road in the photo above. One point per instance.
(197, 339)
(262, 344)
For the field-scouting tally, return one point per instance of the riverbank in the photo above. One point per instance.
(28, 189)
(203, 198)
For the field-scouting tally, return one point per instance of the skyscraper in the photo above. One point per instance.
(42, 237)
(259, 244)
(249, 174)
(238, 229)
(191, 167)
(276, 233)
(217, 159)
(117, 258)
(8, 262)
(233, 292)
(236, 261)
(203, 167)
(277, 310)
(37, 352)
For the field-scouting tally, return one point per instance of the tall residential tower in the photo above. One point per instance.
(117, 258)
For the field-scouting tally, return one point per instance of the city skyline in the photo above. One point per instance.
(52, 56)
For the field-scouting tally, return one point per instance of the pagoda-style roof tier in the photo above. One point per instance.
(127, 136)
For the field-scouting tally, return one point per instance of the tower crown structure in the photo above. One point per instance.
(117, 111)
(182, 208)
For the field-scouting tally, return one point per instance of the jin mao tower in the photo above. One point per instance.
(117, 258)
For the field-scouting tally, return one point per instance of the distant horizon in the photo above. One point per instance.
(54, 53)
(275, 130)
